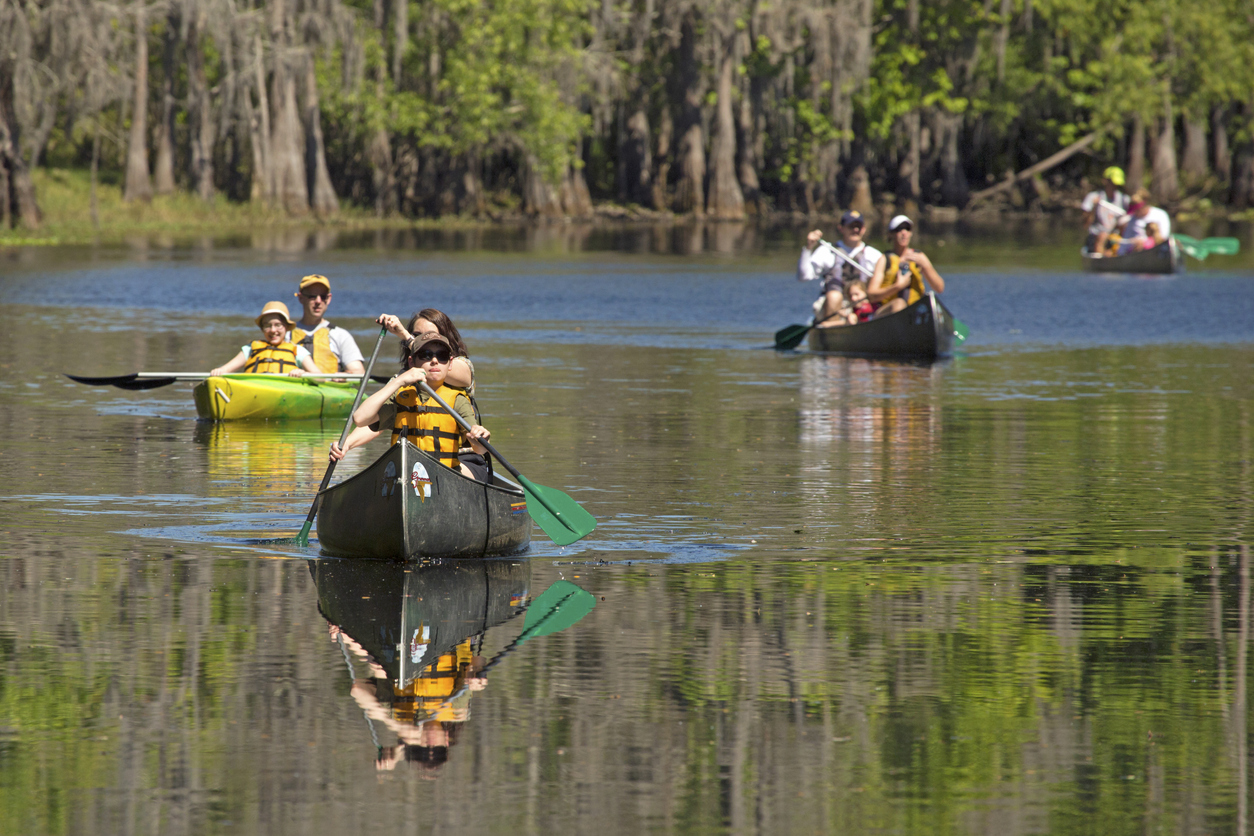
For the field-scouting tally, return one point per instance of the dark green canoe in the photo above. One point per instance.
(408, 505)
(1165, 258)
(406, 615)
(923, 330)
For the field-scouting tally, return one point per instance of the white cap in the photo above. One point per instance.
(897, 221)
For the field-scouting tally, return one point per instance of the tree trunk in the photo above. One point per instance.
(690, 151)
(19, 190)
(576, 200)
(1165, 183)
(163, 171)
(725, 200)
(383, 178)
(1219, 137)
(1193, 163)
(1136, 155)
(6, 200)
(287, 144)
(665, 134)
(954, 190)
(908, 172)
(540, 198)
(259, 133)
(747, 158)
(200, 107)
(637, 160)
(1243, 177)
(321, 193)
(138, 185)
(1001, 39)
(400, 13)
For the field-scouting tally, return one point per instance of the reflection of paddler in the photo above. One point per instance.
(414, 631)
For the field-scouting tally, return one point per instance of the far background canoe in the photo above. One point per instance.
(924, 330)
(1165, 258)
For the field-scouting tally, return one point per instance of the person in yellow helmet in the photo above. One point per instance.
(1103, 208)
(273, 354)
(333, 348)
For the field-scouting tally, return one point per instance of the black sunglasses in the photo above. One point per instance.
(441, 354)
(906, 227)
(323, 296)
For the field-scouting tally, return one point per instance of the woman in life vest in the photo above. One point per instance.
(274, 354)
(901, 283)
(407, 412)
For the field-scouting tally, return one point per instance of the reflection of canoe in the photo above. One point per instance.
(1165, 258)
(407, 504)
(407, 615)
(260, 396)
(925, 329)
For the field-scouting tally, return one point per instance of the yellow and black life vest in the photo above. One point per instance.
(318, 343)
(264, 358)
(425, 423)
(428, 696)
(896, 269)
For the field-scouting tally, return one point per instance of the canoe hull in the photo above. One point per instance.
(407, 505)
(1165, 258)
(272, 397)
(923, 330)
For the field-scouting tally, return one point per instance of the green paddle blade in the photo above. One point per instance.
(1222, 246)
(1191, 247)
(960, 330)
(558, 516)
(790, 337)
(557, 608)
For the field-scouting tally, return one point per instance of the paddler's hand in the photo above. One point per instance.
(813, 238)
(479, 432)
(394, 326)
(296, 373)
(411, 377)
(216, 372)
(336, 452)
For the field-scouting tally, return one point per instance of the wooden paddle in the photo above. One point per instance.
(137, 381)
(558, 516)
(302, 539)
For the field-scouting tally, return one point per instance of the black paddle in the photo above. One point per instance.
(558, 516)
(137, 381)
(790, 337)
(302, 539)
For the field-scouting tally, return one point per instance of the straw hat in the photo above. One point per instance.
(276, 308)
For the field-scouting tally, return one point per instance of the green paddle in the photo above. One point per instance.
(558, 516)
(558, 607)
(1207, 246)
(790, 337)
(302, 539)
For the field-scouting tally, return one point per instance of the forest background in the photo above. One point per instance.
(722, 109)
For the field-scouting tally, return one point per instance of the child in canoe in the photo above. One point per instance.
(274, 354)
(403, 409)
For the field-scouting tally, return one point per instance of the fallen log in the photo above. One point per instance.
(1032, 170)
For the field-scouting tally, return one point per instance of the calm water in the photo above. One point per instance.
(1006, 593)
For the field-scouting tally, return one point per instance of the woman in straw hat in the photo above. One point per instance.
(273, 354)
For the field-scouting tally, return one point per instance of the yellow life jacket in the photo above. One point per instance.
(264, 358)
(896, 269)
(318, 343)
(425, 423)
(428, 696)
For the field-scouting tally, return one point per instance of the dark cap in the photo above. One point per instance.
(417, 342)
(851, 217)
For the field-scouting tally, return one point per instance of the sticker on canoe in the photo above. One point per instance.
(518, 507)
(420, 480)
(389, 480)
(418, 644)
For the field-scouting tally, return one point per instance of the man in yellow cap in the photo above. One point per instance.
(333, 348)
(1102, 208)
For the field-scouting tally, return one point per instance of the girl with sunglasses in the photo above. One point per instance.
(461, 372)
(410, 414)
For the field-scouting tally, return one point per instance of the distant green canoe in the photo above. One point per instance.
(260, 397)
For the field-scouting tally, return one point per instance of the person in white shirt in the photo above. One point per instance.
(820, 261)
(332, 347)
(1102, 209)
(1140, 215)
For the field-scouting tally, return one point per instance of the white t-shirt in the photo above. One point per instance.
(1104, 218)
(1136, 226)
(343, 346)
(823, 263)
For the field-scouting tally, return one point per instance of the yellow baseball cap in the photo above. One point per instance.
(275, 308)
(314, 278)
(1114, 174)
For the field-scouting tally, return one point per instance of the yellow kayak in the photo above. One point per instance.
(260, 397)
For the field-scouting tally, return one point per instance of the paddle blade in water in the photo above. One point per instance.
(960, 330)
(557, 608)
(790, 337)
(1222, 246)
(558, 516)
(1192, 247)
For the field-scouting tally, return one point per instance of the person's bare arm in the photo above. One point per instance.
(234, 364)
(307, 365)
(368, 412)
(934, 278)
(355, 368)
(358, 437)
(459, 374)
